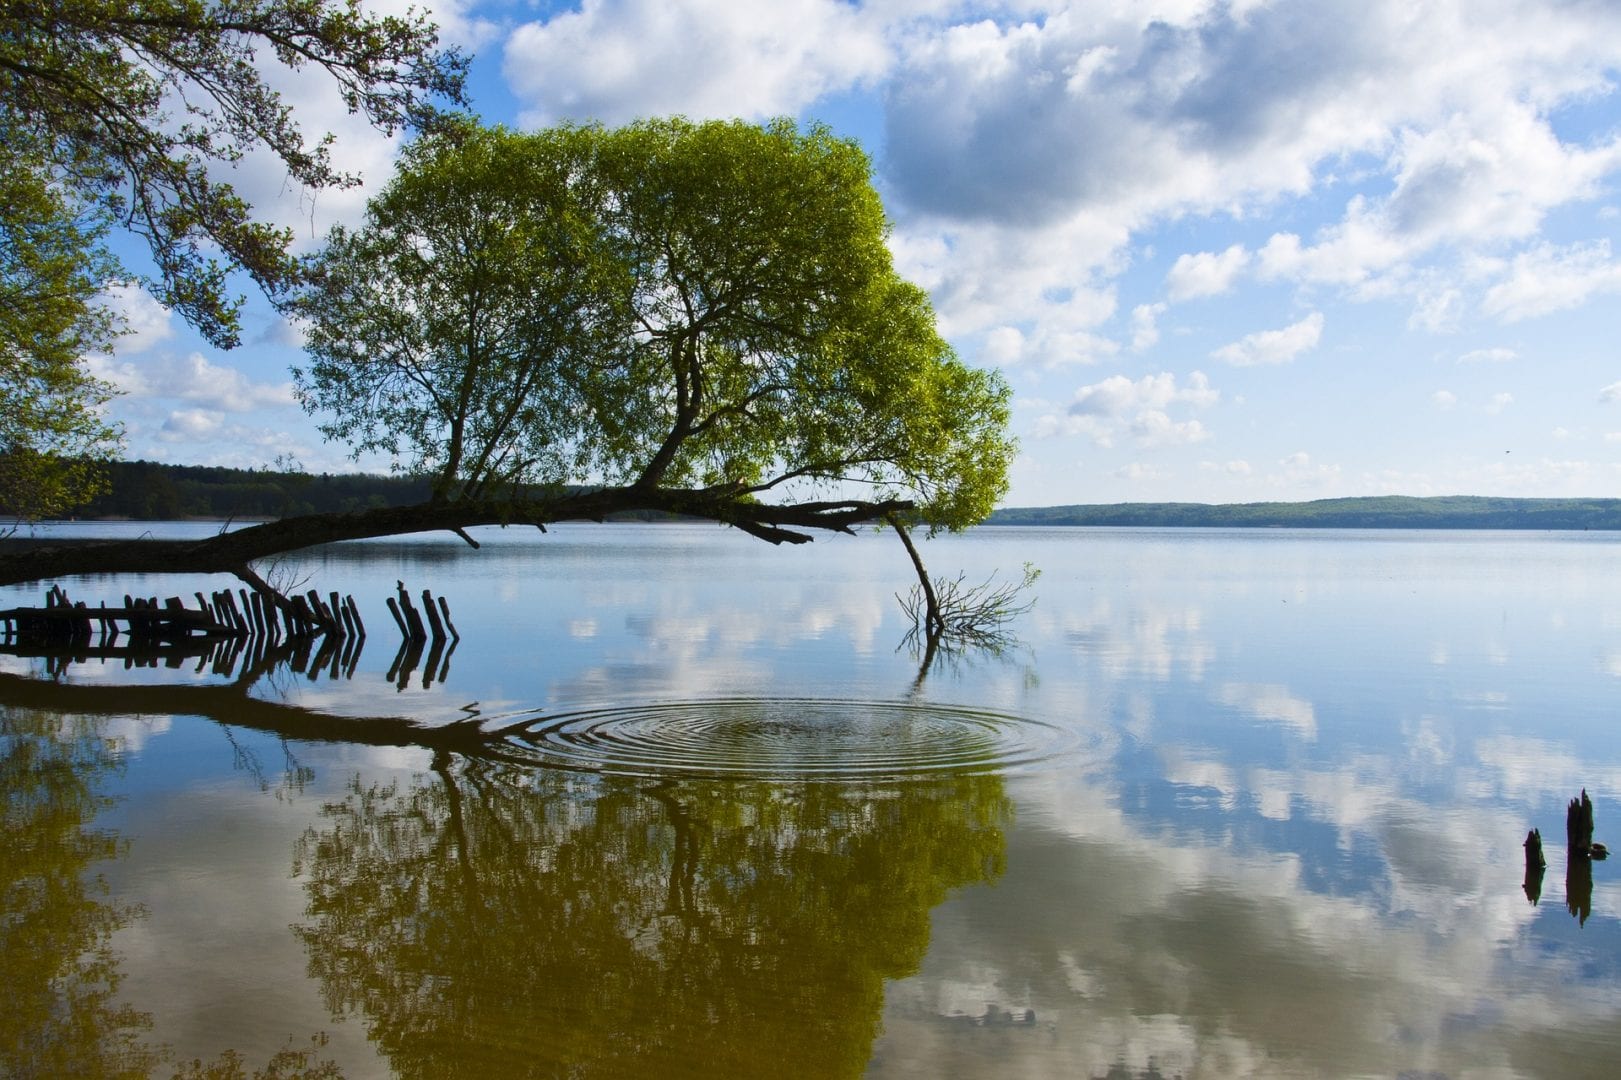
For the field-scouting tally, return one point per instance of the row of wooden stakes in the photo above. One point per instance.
(309, 635)
(411, 623)
(62, 622)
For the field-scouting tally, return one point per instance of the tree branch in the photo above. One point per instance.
(232, 552)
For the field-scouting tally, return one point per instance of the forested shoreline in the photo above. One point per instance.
(1371, 512)
(152, 491)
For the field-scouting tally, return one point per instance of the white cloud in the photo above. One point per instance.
(281, 332)
(1437, 307)
(193, 379)
(1118, 395)
(1003, 346)
(1301, 472)
(1050, 282)
(147, 323)
(1547, 279)
(1108, 121)
(1161, 110)
(1274, 346)
(1154, 428)
(1499, 402)
(1207, 273)
(1140, 471)
(1230, 468)
(191, 424)
(189, 436)
(1444, 399)
(1145, 326)
(1488, 356)
(1610, 393)
(617, 60)
(1458, 184)
(1119, 407)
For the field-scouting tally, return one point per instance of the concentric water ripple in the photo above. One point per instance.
(811, 739)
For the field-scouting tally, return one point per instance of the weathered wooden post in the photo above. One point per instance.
(1533, 849)
(353, 613)
(1579, 825)
(417, 632)
(444, 609)
(1535, 866)
(432, 612)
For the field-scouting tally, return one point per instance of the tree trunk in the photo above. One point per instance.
(933, 623)
(233, 552)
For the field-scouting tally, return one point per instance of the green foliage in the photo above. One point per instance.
(664, 305)
(460, 325)
(124, 108)
(51, 271)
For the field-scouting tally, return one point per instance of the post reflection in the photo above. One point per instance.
(243, 660)
(1579, 888)
(492, 920)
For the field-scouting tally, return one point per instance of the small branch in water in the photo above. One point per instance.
(924, 592)
(970, 615)
(950, 616)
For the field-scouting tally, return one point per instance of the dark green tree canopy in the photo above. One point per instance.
(666, 306)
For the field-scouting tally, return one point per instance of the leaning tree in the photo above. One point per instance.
(698, 319)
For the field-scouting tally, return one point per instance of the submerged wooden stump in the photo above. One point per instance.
(1579, 830)
(1535, 866)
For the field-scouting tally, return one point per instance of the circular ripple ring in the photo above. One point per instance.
(804, 739)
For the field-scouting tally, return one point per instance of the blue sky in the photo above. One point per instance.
(1222, 251)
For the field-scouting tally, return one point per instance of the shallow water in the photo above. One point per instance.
(1240, 804)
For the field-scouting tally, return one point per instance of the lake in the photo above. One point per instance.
(1237, 803)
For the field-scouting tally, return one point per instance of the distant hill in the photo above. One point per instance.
(1378, 512)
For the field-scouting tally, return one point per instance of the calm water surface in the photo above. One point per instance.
(681, 803)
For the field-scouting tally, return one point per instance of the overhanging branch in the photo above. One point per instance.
(229, 553)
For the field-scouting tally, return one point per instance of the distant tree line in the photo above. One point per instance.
(153, 491)
(1377, 512)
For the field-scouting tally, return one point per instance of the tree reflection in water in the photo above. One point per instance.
(500, 921)
(56, 919)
